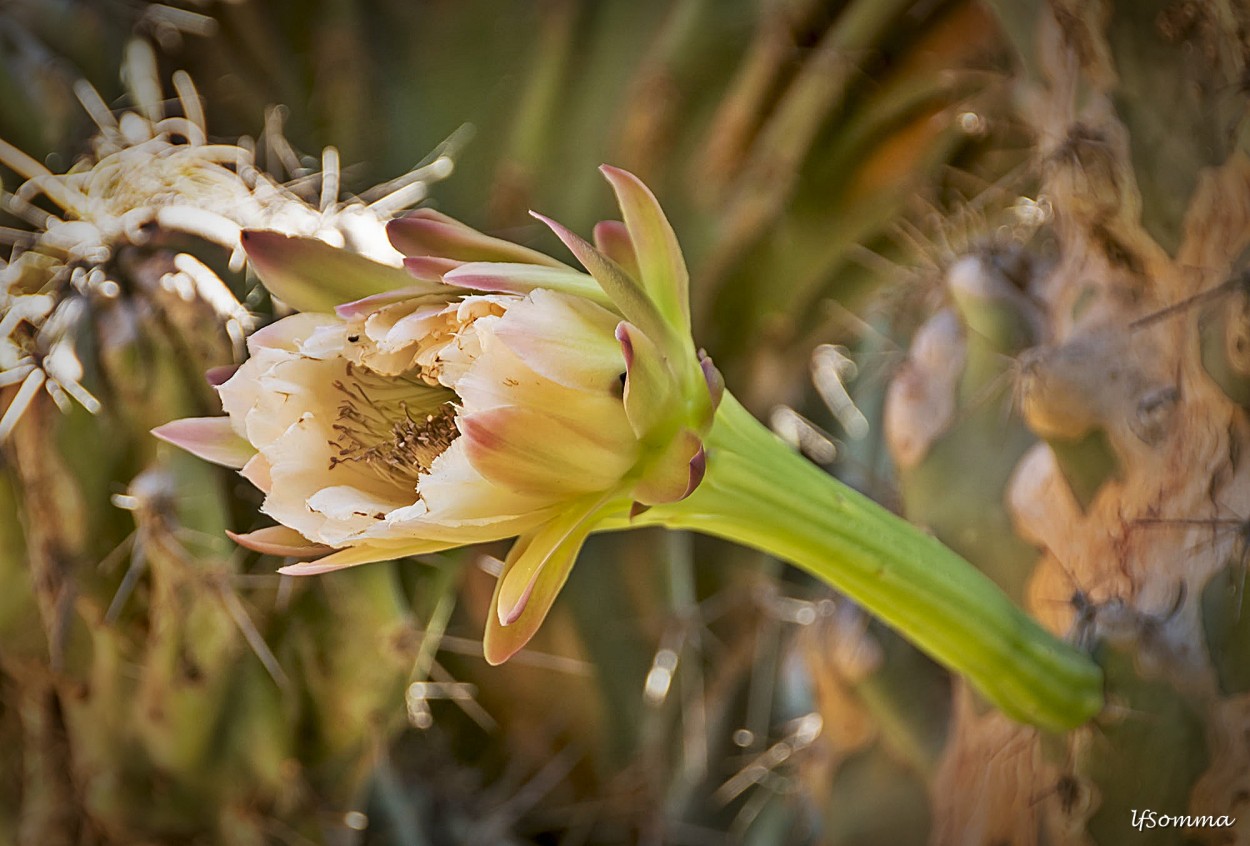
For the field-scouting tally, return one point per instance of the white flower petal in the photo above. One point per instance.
(287, 333)
(567, 339)
(499, 378)
(525, 450)
(301, 474)
(456, 493)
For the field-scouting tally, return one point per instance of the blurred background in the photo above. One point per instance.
(826, 163)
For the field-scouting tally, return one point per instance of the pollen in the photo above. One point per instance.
(396, 437)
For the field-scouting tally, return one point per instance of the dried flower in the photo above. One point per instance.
(152, 173)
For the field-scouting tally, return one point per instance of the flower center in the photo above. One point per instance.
(393, 425)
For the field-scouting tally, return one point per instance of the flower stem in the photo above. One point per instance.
(760, 493)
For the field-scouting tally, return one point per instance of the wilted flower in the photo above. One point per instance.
(499, 393)
(151, 174)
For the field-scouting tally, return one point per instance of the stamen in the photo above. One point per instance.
(394, 426)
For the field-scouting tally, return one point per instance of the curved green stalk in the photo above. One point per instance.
(760, 493)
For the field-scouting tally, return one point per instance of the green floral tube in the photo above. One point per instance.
(759, 492)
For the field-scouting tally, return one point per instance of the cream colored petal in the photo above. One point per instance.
(240, 392)
(287, 390)
(393, 363)
(473, 525)
(456, 493)
(403, 345)
(379, 325)
(287, 333)
(486, 305)
(325, 341)
(452, 360)
(533, 453)
(280, 541)
(517, 583)
(274, 387)
(567, 339)
(500, 641)
(353, 556)
(256, 471)
(301, 469)
(396, 530)
(499, 378)
(401, 338)
(353, 509)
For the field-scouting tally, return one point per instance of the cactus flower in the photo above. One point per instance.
(496, 393)
(491, 391)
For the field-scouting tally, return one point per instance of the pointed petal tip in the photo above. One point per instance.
(608, 230)
(430, 268)
(582, 249)
(509, 612)
(304, 568)
(497, 653)
(501, 641)
(259, 243)
(311, 568)
(626, 342)
(256, 241)
(395, 230)
(698, 469)
(628, 182)
(537, 567)
(218, 376)
(567, 236)
(662, 271)
(209, 438)
(424, 223)
(424, 213)
(611, 172)
(278, 541)
(419, 226)
(436, 234)
(611, 237)
(311, 275)
(715, 381)
(626, 293)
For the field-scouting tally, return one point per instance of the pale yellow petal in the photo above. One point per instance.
(567, 339)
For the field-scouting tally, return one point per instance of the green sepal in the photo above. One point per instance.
(311, 275)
